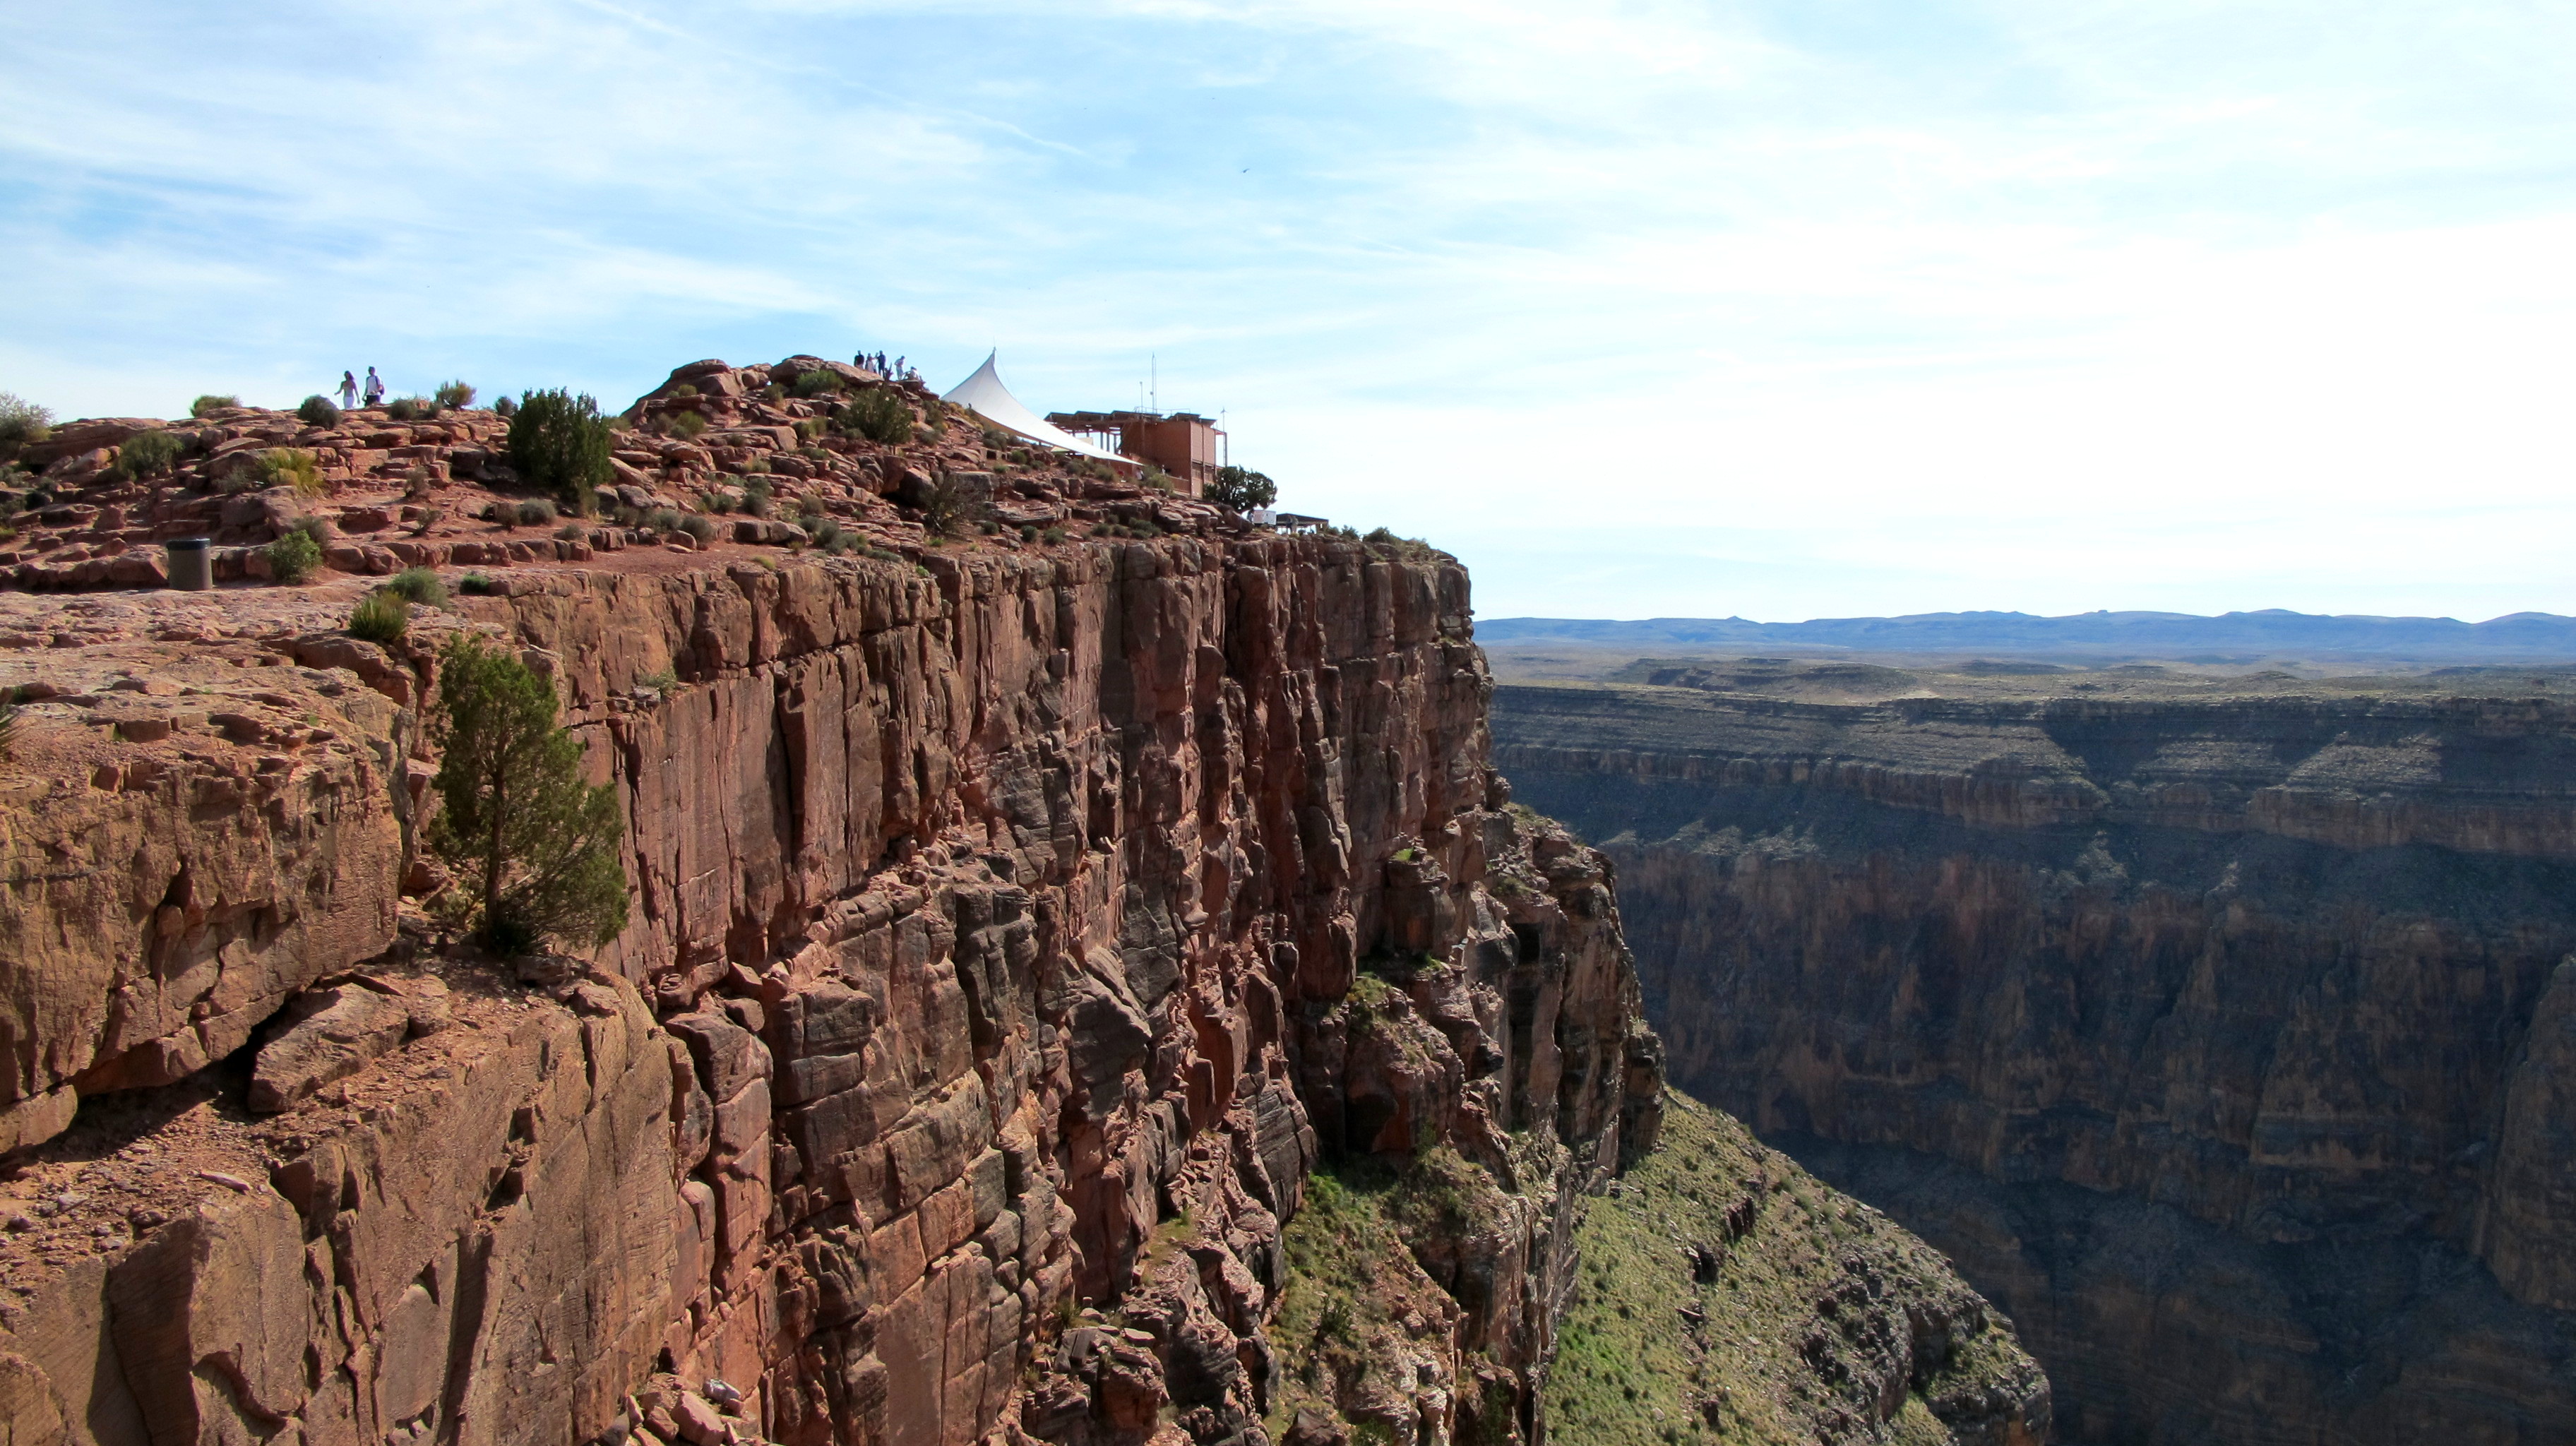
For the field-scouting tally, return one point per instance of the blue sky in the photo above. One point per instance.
(1784, 310)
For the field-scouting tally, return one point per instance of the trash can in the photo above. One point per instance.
(191, 566)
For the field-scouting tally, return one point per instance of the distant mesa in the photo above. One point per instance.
(2181, 636)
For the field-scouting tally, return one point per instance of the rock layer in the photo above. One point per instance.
(2219, 1043)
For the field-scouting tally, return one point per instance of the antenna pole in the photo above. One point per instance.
(1155, 364)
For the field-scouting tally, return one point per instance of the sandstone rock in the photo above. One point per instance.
(335, 1033)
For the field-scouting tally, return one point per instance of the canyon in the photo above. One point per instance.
(2218, 1028)
(1034, 921)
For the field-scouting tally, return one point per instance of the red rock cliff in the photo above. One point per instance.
(982, 1013)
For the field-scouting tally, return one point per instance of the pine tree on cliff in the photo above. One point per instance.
(560, 443)
(514, 816)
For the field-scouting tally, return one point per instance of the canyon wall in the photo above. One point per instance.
(988, 997)
(2225, 1045)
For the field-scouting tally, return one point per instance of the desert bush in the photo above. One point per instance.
(824, 531)
(286, 467)
(535, 512)
(881, 417)
(1052, 535)
(699, 527)
(1242, 489)
(662, 519)
(687, 426)
(809, 428)
(504, 406)
(212, 402)
(22, 421)
(8, 723)
(537, 845)
(418, 585)
(560, 443)
(380, 616)
(755, 499)
(571, 532)
(474, 584)
(454, 394)
(146, 453)
(815, 383)
(945, 508)
(294, 557)
(316, 410)
(811, 505)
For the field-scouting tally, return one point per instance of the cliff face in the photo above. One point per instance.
(1002, 918)
(2223, 1044)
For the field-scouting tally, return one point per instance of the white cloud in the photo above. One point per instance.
(1998, 303)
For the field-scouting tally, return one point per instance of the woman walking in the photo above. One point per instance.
(348, 391)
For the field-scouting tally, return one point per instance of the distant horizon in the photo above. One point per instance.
(1483, 617)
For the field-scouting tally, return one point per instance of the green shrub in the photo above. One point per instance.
(418, 585)
(815, 383)
(294, 557)
(809, 428)
(316, 410)
(8, 723)
(1052, 535)
(660, 680)
(536, 512)
(474, 584)
(688, 426)
(380, 616)
(504, 406)
(1242, 489)
(212, 402)
(715, 502)
(823, 530)
(145, 453)
(881, 417)
(571, 532)
(662, 519)
(536, 844)
(755, 500)
(23, 421)
(286, 467)
(701, 528)
(412, 409)
(811, 505)
(559, 443)
(454, 394)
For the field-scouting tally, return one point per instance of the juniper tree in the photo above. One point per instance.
(560, 442)
(538, 844)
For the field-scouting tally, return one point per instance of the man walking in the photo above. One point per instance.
(375, 388)
(348, 392)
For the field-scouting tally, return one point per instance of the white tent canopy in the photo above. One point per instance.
(985, 396)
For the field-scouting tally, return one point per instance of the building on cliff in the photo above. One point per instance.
(1186, 445)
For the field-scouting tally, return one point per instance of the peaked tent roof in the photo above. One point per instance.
(984, 394)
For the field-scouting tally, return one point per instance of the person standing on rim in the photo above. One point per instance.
(375, 388)
(348, 391)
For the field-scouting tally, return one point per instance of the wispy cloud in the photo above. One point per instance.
(1990, 302)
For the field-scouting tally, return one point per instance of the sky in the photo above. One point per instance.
(1783, 310)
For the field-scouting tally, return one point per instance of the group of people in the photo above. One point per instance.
(349, 389)
(876, 362)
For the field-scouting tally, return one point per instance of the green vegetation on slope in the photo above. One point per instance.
(1358, 1311)
(1725, 1295)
